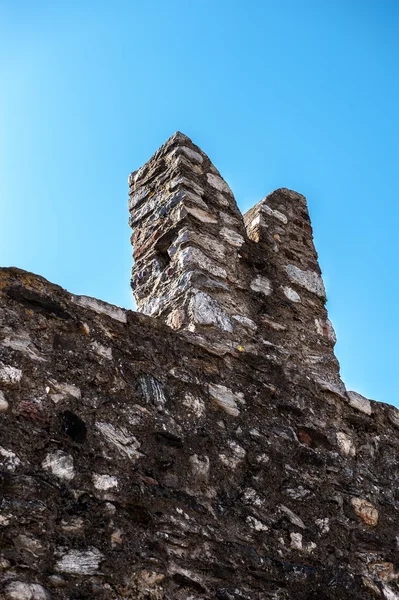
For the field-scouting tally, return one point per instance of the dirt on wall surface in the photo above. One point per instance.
(136, 464)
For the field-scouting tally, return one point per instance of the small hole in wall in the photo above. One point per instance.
(73, 426)
(163, 259)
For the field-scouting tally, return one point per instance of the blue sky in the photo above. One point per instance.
(280, 93)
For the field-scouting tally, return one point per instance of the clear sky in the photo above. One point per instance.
(279, 93)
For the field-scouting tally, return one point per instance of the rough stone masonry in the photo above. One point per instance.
(205, 446)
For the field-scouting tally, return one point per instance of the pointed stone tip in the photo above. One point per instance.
(179, 137)
(287, 193)
(181, 134)
(279, 193)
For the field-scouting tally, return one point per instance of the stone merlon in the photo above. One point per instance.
(202, 267)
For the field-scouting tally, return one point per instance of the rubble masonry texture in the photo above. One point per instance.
(205, 446)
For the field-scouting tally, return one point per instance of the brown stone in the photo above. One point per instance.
(366, 511)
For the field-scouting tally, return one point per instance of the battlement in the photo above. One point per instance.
(249, 282)
(204, 447)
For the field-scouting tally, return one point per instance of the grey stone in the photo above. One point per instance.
(295, 520)
(60, 464)
(226, 399)
(309, 280)
(201, 215)
(19, 590)
(101, 307)
(21, 342)
(119, 437)
(104, 482)
(9, 376)
(151, 390)
(204, 310)
(188, 152)
(261, 284)
(274, 213)
(359, 402)
(291, 294)
(218, 183)
(232, 237)
(80, 562)
(9, 461)
(194, 258)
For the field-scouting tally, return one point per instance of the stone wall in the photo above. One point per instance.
(249, 282)
(207, 449)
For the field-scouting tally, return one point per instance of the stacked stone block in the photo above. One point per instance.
(280, 226)
(187, 237)
(243, 284)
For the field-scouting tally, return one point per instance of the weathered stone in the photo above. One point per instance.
(232, 237)
(18, 590)
(218, 183)
(323, 525)
(188, 152)
(60, 464)
(9, 461)
(200, 466)
(389, 593)
(393, 415)
(359, 402)
(104, 482)
(234, 456)
(198, 213)
(176, 318)
(325, 329)
(270, 323)
(295, 520)
(194, 258)
(339, 389)
(3, 402)
(73, 525)
(275, 213)
(248, 323)
(152, 390)
(296, 541)
(226, 398)
(252, 498)
(186, 236)
(9, 376)
(309, 280)
(366, 511)
(383, 570)
(29, 544)
(345, 444)
(261, 284)
(21, 342)
(256, 524)
(291, 294)
(194, 404)
(184, 182)
(119, 437)
(80, 562)
(100, 307)
(136, 199)
(102, 350)
(62, 391)
(204, 310)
